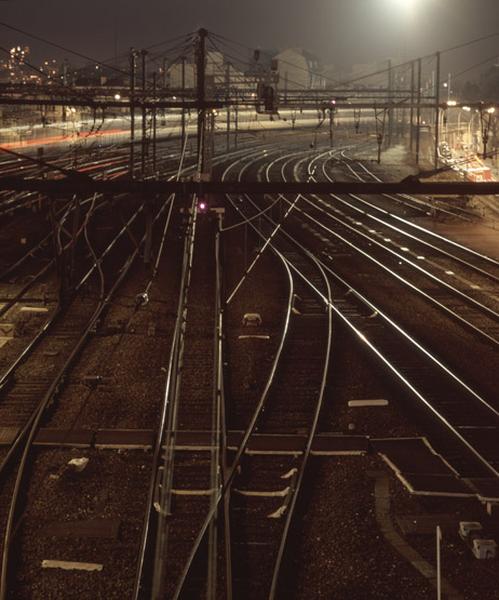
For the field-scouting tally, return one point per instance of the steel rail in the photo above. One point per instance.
(35, 278)
(319, 402)
(224, 492)
(4, 377)
(376, 309)
(154, 502)
(423, 206)
(436, 235)
(31, 429)
(218, 438)
(24, 258)
(470, 300)
(456, 211)
(165, 481)
(222, 442)
(154, 506)
(315, 417)
(399, 375)
(407, 234)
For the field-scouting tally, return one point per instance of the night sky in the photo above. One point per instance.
(341, 32)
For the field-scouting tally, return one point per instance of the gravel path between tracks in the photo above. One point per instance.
(337, 533)
(117, 382)
(355, 375)
(264, 292)
(340, 551)
(60, 497)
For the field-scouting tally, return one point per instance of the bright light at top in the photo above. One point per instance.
(407, 6)
(406, 3)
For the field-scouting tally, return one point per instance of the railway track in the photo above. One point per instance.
(423, 206)
(469, 419)
(466, 297)
(219, 516)
(266, 489)
(66, 341)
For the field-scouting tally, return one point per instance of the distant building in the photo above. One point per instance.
(51, 69)
(96, 75)
(16, 67)
(299, 69)
(295, 68)
(177, 74)
(215, 72)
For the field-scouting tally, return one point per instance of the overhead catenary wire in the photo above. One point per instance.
(55, 45)
(249, 64)
(59, 85)
(475, 66)
(233, 42)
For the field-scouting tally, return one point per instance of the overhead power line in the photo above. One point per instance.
(63, 48)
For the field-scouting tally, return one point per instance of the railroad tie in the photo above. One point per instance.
(184, 492)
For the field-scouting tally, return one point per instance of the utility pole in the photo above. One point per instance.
(390, 98)
(418, 112)
(133, 55)
(437, 111)
(227, 95)
(380, 128)
(411, 116)
(485, 126)
(64, 83)
(183, 109)
(331, 126)
(154, 122)
(144, 114)
(201, 95)
(236, 124)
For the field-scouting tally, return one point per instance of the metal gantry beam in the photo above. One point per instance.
(151, 103)
(79, 184)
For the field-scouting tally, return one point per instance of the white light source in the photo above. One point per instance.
(491, 110)
(407, 5)
(117, 96)
(451, 103)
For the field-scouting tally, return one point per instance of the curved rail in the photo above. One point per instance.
(453, 430)
(30, 430)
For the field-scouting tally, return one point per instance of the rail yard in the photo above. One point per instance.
(213, 388)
